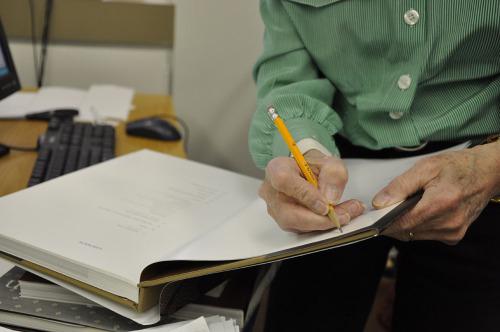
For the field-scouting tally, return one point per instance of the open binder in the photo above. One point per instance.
(141, 228)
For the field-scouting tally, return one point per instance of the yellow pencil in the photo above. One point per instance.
(299, 158)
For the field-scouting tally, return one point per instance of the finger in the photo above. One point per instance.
(289, 214)
(400, 231)
(426, 221)
(406, 184)
(410, 223)
(298, 219)
(348, 210)
(286, 177)
(445, 236)
(332, 179)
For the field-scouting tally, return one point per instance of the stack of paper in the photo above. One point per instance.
(54, 316)
(97, 104)
(202, 324)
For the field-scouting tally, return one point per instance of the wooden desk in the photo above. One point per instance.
(16, 167)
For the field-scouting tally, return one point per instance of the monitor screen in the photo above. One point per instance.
(9, 82)
(3, 65)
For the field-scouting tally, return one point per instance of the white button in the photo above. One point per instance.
(404, 82)
(411, 17)
(396, 115)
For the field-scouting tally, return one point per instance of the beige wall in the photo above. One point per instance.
(145, 69)
(92, 41)
(216, 43)
(92, 21)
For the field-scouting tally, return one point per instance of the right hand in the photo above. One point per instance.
(297, 205)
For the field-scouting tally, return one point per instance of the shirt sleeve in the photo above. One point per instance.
(287, 78)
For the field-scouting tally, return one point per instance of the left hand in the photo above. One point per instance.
(457, 187)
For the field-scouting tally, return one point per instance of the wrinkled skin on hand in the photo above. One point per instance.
(457, 187)
(298, 206)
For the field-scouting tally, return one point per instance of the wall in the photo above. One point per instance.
(92, 20)
(94, 42)
(146, 69)
(216, 43)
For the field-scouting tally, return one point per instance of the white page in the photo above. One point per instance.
(51, 97)
(5, 266)
(106, 102)
(220, 324)
(228, 325)
(217, 327)
(124, 214)
(101, 102)
(196, 325)
(14, 106)
(254, 233)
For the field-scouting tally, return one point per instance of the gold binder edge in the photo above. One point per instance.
(149, 290)
(60, 276)
(233, 265)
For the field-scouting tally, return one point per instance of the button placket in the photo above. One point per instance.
(404, 83)
(411, 17)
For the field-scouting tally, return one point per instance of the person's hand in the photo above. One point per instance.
(457, 187)
(298, 206)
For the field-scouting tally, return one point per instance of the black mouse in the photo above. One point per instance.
(153, 127)
(4, 149)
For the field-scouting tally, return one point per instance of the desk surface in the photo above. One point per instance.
(16, 167)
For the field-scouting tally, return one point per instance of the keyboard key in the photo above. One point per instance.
(67, 146)
(95, 155)
(73, 153)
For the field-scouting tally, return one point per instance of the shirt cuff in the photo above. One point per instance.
(307, 144)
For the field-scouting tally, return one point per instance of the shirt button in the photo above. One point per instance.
(411, 17)
(404, 82)
(396, 115)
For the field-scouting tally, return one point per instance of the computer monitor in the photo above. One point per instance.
(9, 82)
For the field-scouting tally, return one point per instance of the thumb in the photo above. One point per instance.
(398, 189)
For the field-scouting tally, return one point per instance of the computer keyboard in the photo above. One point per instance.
(67, 146)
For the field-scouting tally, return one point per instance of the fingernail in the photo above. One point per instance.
(320, 207)
(344, 219)
(332, 194)
(381, 199)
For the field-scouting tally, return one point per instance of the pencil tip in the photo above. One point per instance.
(333, 217)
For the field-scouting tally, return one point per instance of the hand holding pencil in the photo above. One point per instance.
(296, 205)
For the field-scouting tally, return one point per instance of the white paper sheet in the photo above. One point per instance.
(201, 324)
(253, 233)
(101, 103)
(15, 105)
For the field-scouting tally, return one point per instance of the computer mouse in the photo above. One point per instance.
(153, 127)
(4, 150)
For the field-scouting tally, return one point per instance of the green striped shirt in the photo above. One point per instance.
(381, 73)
